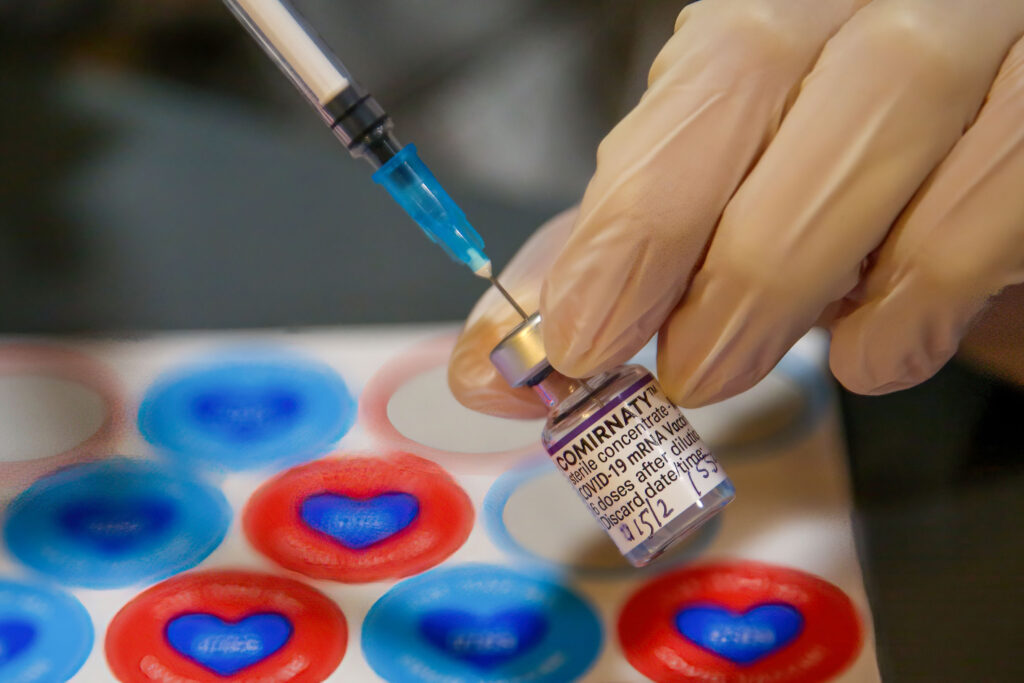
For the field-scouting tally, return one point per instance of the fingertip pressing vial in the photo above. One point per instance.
(629, 452)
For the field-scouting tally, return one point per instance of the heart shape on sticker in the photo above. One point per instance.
(485, 641)
(227, 647)
(15, 636)
(115, 526)
(248, 414)
(359, 523)
(742, 638)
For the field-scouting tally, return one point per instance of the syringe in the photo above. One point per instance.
(363, 126)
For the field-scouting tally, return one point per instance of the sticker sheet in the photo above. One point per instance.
(316, 506)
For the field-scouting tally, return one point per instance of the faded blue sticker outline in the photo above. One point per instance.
(816, 396)
(493, 514)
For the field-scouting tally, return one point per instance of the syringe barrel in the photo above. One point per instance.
(352, 113)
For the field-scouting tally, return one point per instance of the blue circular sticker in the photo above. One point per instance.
(45, 634)
(247, 411)
(115, 523)
(480, 623)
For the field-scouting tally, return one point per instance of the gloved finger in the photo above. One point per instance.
(716, 94)
(471, 377)
(959, 242)
(889, 97)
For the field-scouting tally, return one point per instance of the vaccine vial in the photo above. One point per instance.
(631, 455)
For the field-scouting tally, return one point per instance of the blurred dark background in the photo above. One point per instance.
(158, 173)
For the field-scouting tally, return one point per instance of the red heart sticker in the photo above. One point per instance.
(227, 626)
(360, 518)
(738, 622)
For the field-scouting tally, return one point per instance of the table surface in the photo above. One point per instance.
(780, 443)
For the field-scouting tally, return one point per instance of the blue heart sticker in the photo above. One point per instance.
(115, 526)
(358, 524)
(227, 647)
(742, 638)
(484, 641)
(15, 636)
(246, 413)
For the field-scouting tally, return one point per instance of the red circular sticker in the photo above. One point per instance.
(741, 621)
(227, 626)
(359, 518)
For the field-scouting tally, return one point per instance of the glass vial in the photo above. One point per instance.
(641, 469)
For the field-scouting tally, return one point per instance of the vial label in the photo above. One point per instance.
(637, 463)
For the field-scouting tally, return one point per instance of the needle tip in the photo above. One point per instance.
(508, 297)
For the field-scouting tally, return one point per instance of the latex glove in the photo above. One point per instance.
(792, 161)
(472, 378)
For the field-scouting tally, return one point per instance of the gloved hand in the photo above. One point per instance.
(858, 164)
